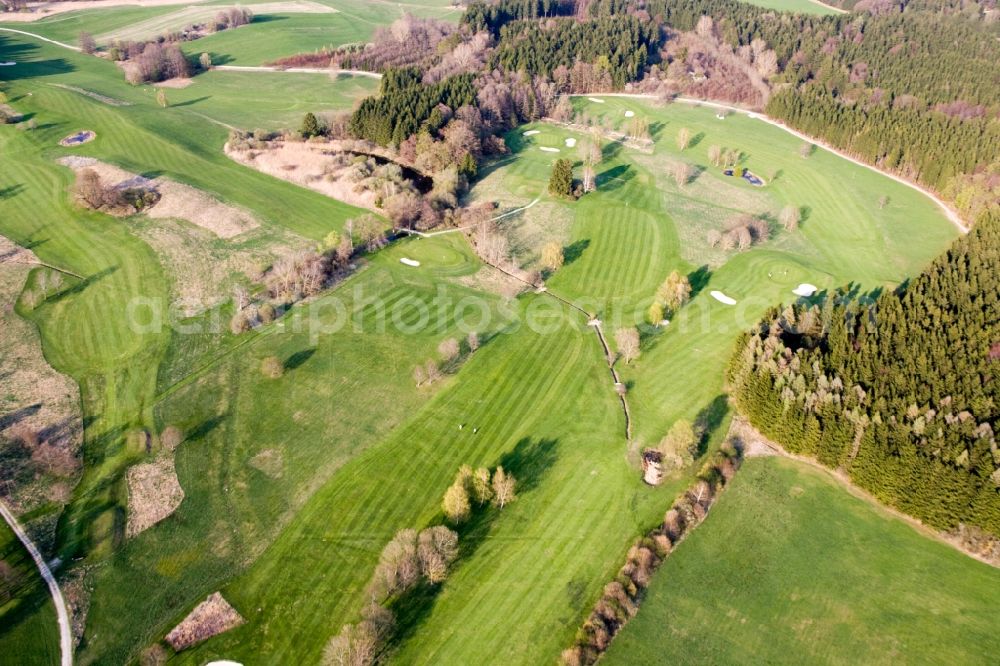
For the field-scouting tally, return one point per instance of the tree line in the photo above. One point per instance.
(899, 389)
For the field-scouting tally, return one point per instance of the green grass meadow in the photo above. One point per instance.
(293, 485)
(791, 568)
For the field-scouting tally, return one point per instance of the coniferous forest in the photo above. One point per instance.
(900, 389)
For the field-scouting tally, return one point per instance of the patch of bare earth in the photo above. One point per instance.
(174, 83)
(308, 164)
(209, 618)
(40, 426)
(153, 494)
(36, 11)
(204, 269)
(269, 461)
(77, 595)
(176, 200)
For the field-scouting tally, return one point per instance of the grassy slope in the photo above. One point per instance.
(85, 331)
(529, 579)
(640, 226)
(801, 6)
(790, 568)
(269, 37)
(31, 635)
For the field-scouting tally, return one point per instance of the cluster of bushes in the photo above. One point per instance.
(451, 351)
(149, 62)
(92, 193)
(672, 295)
(480, 487)
(303, 274)
(409, 560)
(741, 232)
(620, 599)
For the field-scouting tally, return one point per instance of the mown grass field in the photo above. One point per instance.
(791, 568)
(640, 225)
(800, 6)
(353, 450)
(272, 35)
(30, 635)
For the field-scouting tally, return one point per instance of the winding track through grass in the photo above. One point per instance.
(62, 616)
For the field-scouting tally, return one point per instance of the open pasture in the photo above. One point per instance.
(640, 225)
(789, 566)
(294, 484)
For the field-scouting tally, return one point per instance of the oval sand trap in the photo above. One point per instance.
(596, 100)
(570, 143)
(532, 132)
(409, 262)
(722, 298)
(224, 662)
(76, 139)
(805, 289)
(629, 114)
(549, 150)
(9, 63)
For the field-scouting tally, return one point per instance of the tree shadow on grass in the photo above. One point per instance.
(81, 285)
(298, 358)
(528, 462)
(696, 139)
(656, 129)
(698, 279)
(708, 421)
(615, 177)
(191, 102)
(574, 250)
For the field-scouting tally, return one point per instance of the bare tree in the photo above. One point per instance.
(677, 447)
(482, 489)
(789, 218)
(627, 341)
(675, 291)
(473, 341)
(552, 256)
(713, 237)
(456, 503)
(87, 43)
(89, 190)
(715, 154)
(704, 27)
(806, 149)
(419, 375)
(682, 172)
(683, 138)
(448, 349)
(589, 178)
(272, 367)
(504, 488)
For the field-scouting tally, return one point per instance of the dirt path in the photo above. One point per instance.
(65, 636)
(41, 10)
(948, 211)
(44, 39)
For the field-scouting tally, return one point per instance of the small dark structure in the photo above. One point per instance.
(83, 136)
(751, 178)
(727, 172)
(652, 472)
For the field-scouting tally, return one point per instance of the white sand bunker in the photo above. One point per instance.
(722, 298)
(629, 114)
(596, 100)
(9, 63)
(224, 662)
(85, 136)
(549, 150)
(570, 143)
(805, 289)
(409, 262)
(532, 132)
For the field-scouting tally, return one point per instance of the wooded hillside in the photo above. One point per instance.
(902, 390)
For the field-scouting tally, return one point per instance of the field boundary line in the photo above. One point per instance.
(65, 636)
(44, 39)
(297, 70)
